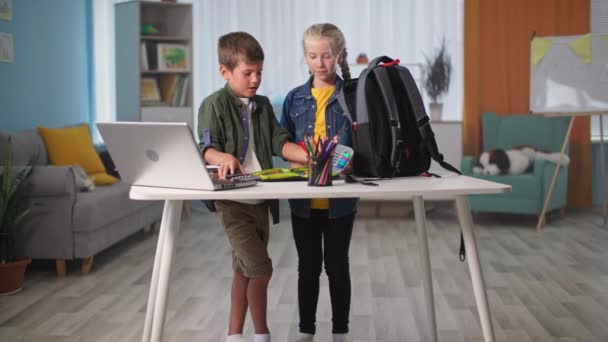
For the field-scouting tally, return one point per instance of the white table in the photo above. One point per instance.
(415, 188)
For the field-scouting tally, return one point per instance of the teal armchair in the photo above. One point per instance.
(530, 189)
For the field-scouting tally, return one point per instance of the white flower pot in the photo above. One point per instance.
(436, 109)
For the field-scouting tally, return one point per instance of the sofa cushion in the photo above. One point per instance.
(104, 205)
(73, 145)
(28, 148)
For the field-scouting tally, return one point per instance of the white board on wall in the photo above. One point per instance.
(563, 83)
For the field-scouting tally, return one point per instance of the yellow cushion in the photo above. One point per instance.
(103, 178)
(73, 145)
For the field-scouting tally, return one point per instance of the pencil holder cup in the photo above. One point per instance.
(319, 171)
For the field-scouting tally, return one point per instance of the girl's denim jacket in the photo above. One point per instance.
(298, 117)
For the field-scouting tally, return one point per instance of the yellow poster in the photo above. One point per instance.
(540, 46)
(582, 47)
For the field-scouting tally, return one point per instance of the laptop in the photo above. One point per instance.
(162, 154)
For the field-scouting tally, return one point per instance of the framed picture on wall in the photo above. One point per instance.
(173, 57)
(149, 90)
(6, 10)
(6, 47)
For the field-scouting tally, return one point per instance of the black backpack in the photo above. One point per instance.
(392, 135)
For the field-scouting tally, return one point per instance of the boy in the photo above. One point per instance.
(239, 133)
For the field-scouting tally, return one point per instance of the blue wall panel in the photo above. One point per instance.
(48, 84)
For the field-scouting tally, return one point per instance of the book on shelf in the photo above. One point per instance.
(149, 89)
(174, 89)
(148, 58)
(168, 84)
(144, 56)
(178, 91)
(184, 95)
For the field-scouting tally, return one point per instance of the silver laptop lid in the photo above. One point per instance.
(156, 154)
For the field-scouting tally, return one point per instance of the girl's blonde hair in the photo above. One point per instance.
(337, 43)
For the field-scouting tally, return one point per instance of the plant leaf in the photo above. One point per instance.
(11, 208)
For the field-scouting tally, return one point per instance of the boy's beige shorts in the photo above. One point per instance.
(247, 229)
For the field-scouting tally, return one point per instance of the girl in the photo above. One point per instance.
(322, 228)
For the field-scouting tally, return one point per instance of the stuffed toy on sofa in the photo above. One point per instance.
(514, 161)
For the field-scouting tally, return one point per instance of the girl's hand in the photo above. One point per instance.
(228, 164)
(348, 168)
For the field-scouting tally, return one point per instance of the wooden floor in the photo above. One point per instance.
(542, 286)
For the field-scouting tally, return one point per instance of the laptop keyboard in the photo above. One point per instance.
(242, 178)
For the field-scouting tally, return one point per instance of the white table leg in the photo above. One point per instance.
(425, 263)
(170, 226)
(479, 288)
(147, 333)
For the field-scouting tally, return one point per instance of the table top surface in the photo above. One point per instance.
(387, 189)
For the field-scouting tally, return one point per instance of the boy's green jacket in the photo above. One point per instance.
(221, 125)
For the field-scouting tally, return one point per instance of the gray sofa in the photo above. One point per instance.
(65, 223)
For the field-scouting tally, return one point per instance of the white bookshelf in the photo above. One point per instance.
(137, 53)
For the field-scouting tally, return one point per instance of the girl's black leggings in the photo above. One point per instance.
(321, 239)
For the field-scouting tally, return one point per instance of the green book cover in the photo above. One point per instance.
(279, 174)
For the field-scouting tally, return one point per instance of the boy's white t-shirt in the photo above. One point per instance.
(251, 163)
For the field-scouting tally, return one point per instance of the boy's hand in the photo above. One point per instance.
(228, 164)
(293, 165)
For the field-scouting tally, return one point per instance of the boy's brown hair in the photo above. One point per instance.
(238, 46)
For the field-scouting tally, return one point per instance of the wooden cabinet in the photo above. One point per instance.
(154, 61)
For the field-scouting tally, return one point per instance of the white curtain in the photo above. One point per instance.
(103, 64)
(403, 29)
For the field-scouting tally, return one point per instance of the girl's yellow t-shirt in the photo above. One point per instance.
(321, 95)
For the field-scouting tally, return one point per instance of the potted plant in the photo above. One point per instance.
(437, 72)
(12, 211)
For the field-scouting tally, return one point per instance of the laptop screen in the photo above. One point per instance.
(156, 154)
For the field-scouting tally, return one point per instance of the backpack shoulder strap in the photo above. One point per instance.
(388, 97)
(347, 110)
(422, 119)
(361, 100)
(359, 113)
(413, 93)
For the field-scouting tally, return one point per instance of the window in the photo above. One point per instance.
(104, 108)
